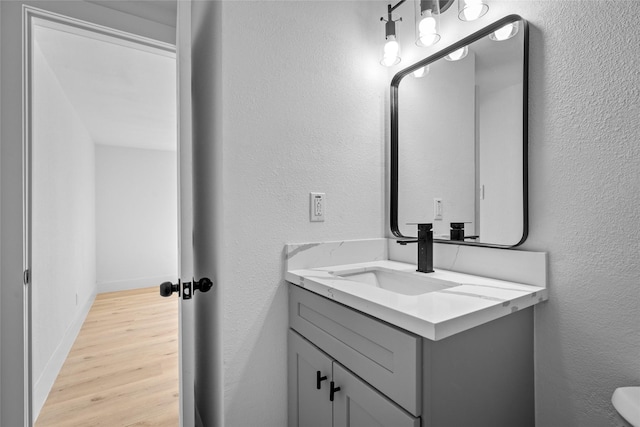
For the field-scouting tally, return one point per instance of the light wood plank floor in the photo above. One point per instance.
(123, 368)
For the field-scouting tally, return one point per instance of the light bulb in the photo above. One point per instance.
(427, 25)
(457, 55)
(421, 72)
(505, 32)
(391, 53)
(470, 10)
(427, 29)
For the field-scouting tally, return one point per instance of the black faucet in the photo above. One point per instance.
(425, 247)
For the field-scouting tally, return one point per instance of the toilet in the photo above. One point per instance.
(626, 400)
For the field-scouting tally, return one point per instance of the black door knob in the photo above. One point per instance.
(203, 285)
(168, 288)
(319, 379)
(332, 390)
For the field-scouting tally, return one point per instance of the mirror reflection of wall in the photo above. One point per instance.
(460, 139)
(436, 153)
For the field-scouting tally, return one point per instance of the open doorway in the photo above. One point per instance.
(104, 226)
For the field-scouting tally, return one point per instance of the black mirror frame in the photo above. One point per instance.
(395, 83)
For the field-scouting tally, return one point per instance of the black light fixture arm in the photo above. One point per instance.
(390, 26)
(392, 8)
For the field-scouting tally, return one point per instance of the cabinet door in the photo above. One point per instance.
(357, 404)
(308, 405)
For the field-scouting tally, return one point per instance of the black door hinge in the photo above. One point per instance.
(26, 276)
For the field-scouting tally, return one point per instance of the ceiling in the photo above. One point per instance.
(125, 96)
(162, 11)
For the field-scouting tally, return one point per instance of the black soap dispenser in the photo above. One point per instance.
(457, 231)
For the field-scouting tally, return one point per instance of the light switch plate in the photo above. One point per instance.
(316, 207)
(437, 208)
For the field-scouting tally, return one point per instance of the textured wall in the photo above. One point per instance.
(585, 196)
(303, 110)
(586, 206)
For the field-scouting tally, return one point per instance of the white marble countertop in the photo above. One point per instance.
(434, 315)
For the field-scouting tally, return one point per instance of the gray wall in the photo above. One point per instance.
(584, 195)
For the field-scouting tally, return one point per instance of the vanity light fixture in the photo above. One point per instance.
(427, 22)
(391, 49)
(421, 72)
(457, 55)
(505, 33)
(470, 10)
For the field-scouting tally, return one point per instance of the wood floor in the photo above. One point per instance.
(123, 367)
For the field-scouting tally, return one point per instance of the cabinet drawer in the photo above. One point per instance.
(386, 357)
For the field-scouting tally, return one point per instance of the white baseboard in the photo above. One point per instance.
(51, 370)
(125, 285)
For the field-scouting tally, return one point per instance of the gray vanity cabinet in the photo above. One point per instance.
(309, 368)
(355, 404)
(481, 377)
(359, 405)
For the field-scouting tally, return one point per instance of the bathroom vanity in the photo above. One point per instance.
(372, 342)
(367, 349)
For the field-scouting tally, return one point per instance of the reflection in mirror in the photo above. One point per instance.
(460, 137)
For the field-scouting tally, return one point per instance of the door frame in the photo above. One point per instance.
(30, 16)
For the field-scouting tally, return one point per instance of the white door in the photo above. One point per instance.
(195, 335)
(185, 212)
(189, 285)
(185, 190)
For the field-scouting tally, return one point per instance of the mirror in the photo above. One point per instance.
(459, 140)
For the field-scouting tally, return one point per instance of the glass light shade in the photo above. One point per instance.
(470, 10)
(390, 52)
(505, 33)
(421, 72)
(427, 22)
(457, 55)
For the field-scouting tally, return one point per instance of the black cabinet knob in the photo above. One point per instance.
(319, 379)
(333, 390)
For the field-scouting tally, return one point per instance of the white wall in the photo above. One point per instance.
(499, 80)
(500, 141)
(436, 153)
(11, 227)
(304, 110)
(136, 217)
(63, 226)
(584, 196)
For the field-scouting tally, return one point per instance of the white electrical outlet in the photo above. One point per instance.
(437, 208)
(316, 206)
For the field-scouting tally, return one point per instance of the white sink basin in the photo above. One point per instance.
(398, 282)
